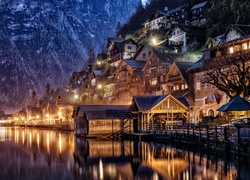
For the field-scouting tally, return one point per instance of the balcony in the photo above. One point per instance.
(228, 57)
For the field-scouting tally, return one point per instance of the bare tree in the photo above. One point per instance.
(229, 73)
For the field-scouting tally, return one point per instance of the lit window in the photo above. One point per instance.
(231, 50)
(198, 86)
(244, 46)
(186, 86)
(177, 87)
(154, 82)
(182, 86)
(93, 82)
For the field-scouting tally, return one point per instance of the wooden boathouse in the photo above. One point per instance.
(102, 120)
(158, 112)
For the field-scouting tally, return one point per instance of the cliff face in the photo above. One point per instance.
(44, 41)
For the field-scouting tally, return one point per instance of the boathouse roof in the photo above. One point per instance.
(104, 111)
(148, 102)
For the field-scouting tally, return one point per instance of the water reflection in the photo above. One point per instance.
(43, 154)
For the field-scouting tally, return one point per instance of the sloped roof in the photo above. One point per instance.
(135, 63)
(147, 102)
(177, 9)
(200, 5)
(97, 72)
(183, 100)
(197, 65)
(152, 17)
(192, 30)
(236, 104)
(164, 57)
(122, 43)
(105, 111)
(183, 66)
(240, 28)
(229, 42)
(139, 73)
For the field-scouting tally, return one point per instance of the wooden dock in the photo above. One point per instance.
(221, 138)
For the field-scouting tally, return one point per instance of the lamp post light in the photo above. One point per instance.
(76, 98)
(154, 41)
(47, 116)
(60, 116)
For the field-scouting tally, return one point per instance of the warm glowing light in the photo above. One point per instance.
(47, 141)
(98, 62)
(231, 50)
(22, 118)
(23, 137)
(99, 86)
(38, 140)
(76, 96)
(30, 139)
(244, 46)
(47, 115)
(37, 117)
(59, 114)
(60, 143)
(101, 169)
(154, 41)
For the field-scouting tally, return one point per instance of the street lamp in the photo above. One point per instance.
(154, 41)
(76, 98)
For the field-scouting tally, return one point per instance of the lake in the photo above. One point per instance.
(27, 153)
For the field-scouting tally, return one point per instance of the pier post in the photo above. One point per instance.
(199, 133)
(225, 138)
(193, 132)
(216, 138)
(207, 130)
(238, 138)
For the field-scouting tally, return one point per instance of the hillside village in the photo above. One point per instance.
(168, 60)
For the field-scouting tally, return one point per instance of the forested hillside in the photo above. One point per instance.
(221, 13)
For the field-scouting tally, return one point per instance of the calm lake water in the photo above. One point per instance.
(45, 154)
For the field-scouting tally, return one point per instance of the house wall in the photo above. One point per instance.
(178, 37)
(154, 23)
(104, 126)
(204, 98)
(80, 126)
(144, 54)
(231, 35)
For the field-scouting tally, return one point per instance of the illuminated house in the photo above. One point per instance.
(120, 51)
(177, 79)
(155, 71)
(206, 98)
(183, 38)
(122, 74)
(166, 18)
(199, 13)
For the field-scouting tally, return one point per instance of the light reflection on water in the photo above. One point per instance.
(45, 154)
